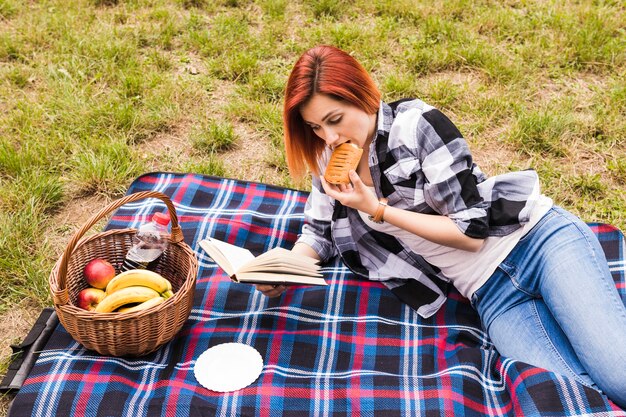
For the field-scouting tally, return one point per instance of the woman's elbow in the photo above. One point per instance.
(471, 244)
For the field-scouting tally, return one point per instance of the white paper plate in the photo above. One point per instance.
(228, 367)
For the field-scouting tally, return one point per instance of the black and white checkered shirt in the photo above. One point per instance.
(420, 162)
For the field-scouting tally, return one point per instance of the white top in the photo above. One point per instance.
(467, 271)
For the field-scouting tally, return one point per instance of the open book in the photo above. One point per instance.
(276, 266)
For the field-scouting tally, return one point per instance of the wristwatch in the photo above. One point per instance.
(380, 211)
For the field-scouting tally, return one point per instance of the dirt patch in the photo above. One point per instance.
(15, 324)
(251, 158)
(5, 401)
(74, 214)
(167, 150)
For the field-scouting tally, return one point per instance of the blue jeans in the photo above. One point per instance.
(552, 303)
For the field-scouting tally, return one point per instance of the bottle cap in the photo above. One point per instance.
(161, 218)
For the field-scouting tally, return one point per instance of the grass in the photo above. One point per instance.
(213, 136)
(89, 88)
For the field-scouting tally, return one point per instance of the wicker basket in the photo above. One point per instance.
(123, 334)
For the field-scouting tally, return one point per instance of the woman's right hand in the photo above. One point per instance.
(355, 195)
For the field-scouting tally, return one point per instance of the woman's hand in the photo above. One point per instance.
(271, 290)
(276, 290)
(355, 195)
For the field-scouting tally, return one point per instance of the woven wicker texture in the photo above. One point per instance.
(123, 334)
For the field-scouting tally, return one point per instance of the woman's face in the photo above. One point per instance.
(336, 122)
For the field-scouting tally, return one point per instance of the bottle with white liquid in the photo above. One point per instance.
(149, 243)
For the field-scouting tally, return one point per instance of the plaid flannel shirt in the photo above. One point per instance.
(420, 162)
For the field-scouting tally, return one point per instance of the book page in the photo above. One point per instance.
(282, 253)
(275, 278)
(229, 257)
(281, 260)
(280, 268)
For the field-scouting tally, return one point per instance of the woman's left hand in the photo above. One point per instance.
(355, 195)
(271, 290)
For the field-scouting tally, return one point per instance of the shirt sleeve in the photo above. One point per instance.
(318, 213)
(450, 183)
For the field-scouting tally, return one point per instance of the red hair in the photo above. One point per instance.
(321, 70)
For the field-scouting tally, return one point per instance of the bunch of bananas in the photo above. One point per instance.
(134, 290)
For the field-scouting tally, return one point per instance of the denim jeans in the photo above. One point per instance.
(552, 303)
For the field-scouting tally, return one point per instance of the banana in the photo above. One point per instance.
(128, 295)
(143, 306)
(141, 277)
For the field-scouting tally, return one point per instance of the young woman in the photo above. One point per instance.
(535, 273)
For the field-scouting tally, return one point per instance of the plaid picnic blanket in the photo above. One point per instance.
(347, 349)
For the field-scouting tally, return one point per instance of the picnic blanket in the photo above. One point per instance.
(350, 348)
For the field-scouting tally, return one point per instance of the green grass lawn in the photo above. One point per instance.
(87, 85)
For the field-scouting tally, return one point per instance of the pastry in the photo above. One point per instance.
(344, 158)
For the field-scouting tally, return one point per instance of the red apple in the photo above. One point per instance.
(98, 273)
(89, 298)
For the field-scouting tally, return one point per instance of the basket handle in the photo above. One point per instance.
(60, 294)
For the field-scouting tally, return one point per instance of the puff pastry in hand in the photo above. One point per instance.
(344, 158)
